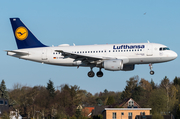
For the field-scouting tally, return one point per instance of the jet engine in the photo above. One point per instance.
(128, 67)
(113, 65)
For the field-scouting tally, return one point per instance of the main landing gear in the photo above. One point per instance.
(98, 74)
(91, 74)
(151, 72)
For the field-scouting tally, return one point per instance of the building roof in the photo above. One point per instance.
(128, 109)
(98, 110)
(125, 102)
(87, 111)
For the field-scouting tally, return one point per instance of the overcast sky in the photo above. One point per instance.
(88, 22)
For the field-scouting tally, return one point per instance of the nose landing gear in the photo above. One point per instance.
(151, 72)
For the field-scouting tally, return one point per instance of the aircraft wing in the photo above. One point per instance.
(17, 52)
(82, 57)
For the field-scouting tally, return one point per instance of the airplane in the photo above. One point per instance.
(112, 57)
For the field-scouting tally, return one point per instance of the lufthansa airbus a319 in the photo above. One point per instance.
(112, 57)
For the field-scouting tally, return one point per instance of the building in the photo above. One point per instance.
(4, 105)
(124, 113)
(87, 111)
(98, 110)
(127, 109)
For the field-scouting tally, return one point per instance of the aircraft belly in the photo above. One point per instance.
(147, 60)
(64, 62)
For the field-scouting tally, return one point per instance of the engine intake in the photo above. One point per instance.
(113, 65)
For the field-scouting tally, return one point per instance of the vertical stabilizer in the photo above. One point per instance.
(24, 37)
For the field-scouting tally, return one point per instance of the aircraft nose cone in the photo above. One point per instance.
(174, 55)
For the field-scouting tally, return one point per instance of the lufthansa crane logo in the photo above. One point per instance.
(21, 33)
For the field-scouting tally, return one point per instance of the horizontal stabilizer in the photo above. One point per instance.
(17, 52)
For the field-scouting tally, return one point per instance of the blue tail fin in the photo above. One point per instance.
(24, 37)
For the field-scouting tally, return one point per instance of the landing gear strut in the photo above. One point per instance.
(99, 73)
(91, 73)
(151, 72)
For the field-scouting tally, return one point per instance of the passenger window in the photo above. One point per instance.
(109, 50)
(93, 51)
(160, 49)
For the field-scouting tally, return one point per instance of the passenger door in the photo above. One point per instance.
(149, 50)
(44, 54)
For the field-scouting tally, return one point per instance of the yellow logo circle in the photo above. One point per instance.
(21, 33)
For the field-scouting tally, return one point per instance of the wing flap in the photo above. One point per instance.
(82, 57)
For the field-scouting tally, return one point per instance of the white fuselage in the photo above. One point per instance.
(135, 53)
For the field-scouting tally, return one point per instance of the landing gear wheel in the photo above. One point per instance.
(152, 72)
(99, 74)
(91, 74)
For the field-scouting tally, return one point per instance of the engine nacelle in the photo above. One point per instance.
(113, 65)
(128, 67)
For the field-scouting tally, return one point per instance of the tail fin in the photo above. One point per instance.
(24, 37)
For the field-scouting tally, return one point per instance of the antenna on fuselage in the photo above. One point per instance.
(148, 41)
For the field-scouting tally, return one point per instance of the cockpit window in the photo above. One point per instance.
(164, 48)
